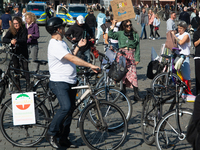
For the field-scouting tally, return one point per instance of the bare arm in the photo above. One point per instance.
(106, 38)
(80, 62)
(10, 23)
(184, 40)
(197, 43)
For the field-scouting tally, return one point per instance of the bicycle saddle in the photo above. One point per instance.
(41, 62)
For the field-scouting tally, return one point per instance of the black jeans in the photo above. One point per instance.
(24, 67)
(156, 33)
(197, 75)
(151, 30)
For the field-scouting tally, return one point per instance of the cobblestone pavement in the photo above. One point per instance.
(134, 138)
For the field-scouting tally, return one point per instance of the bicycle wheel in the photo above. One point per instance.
(160, 83)
(24, 135)
(3, 57)
(167, 133)
(149, 119)
(112, 96)
(92, 58)
(96, 136)
(101, 83)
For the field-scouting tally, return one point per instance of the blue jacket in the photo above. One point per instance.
(101, 19)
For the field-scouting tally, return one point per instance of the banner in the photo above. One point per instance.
(23, 108)
(122, 9)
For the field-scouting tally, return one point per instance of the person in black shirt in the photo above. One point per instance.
(184, 16)
(196, 41)
(78, 31)
(195, 21)
(17, 36)
(17, 12)
(91, 21)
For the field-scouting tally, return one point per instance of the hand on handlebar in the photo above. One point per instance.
(96, 69)
(13, 41)
(73, 39)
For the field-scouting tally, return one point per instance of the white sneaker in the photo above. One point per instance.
(150, 38)
(153, 38)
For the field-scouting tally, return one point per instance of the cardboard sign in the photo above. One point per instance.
(122, 9)
(23, 108)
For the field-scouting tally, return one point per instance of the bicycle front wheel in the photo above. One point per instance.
(24, 135)
(3, 57)
(149, 118)
(115, 96)
(100, 136)
(167, 134)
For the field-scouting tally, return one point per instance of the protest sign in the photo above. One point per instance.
(122, 9)
(23, 108)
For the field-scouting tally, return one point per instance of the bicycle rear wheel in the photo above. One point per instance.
(24, 135)
(149, 119)
(96, 136)
(167, 134)
(92, 58)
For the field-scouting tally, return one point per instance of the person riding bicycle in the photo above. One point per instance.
(77, 31)
(17, 36)
(62, 67)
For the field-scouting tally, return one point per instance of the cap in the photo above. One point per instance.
(16, 6)
(80, 19)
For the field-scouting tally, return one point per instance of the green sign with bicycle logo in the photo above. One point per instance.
(23, 108)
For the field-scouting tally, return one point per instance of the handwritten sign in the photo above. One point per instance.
(122, 9)
(23, 108)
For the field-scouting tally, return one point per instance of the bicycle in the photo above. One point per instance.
(171, 130)
(108, 118)
(152, 110)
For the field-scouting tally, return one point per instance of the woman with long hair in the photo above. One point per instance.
(33, 35)
(156, 24)
(196, 41)
(129, 43)
(17, 36)
(151, 16)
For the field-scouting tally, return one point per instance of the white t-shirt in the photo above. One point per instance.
(185, 48)
(60, 69)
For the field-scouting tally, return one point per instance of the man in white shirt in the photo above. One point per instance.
(62, 68)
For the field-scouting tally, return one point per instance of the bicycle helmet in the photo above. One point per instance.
(53, 24)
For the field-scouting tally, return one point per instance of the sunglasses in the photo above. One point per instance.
(130, 25)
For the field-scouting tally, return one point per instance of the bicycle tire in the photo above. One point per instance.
(92, 58)
(3, 57)
(160, 80)
(167, 124)
(149, 119)
(100, 83)
(125, 104)
(24, 135)
(113, 117)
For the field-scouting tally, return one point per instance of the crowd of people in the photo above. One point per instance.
(23, 33)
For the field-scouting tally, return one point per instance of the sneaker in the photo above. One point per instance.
(150, 38)
(153, 38)
(158, 38)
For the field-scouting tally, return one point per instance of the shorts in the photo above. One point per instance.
(185, 69)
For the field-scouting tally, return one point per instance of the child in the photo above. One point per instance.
(156, 24)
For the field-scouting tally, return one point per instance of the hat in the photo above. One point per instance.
(16, 6)
(80, 19)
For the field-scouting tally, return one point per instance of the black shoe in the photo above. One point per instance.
(67, 143)
(144, 38)
(52, 141)
(140, 38)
